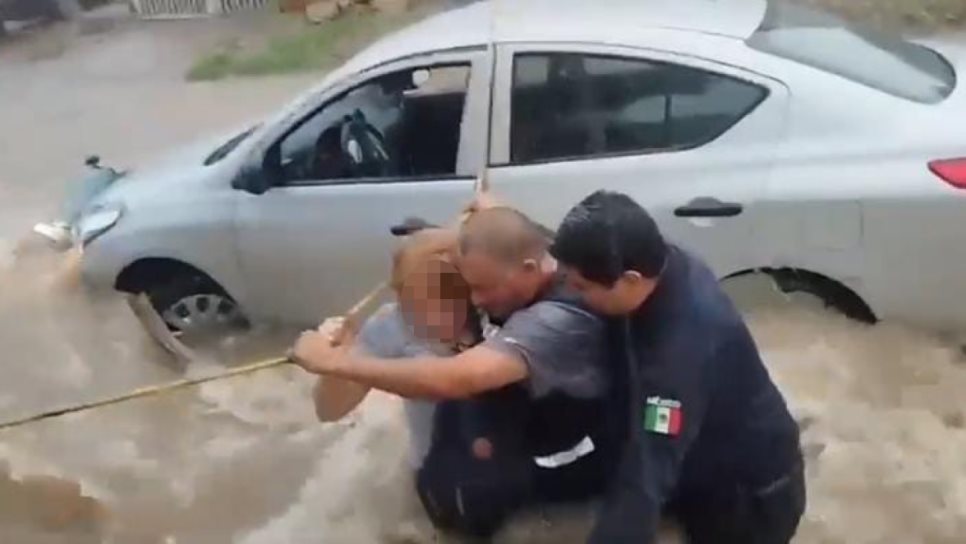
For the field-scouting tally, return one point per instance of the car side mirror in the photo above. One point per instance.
(251, 179)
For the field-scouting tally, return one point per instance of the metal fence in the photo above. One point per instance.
(192, 8)
(228, 6)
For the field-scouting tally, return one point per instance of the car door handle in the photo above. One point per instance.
(410, 225)
(708, 207)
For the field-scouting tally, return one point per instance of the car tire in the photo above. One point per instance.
(196, 305)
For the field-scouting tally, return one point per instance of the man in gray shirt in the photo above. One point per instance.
(548, 345)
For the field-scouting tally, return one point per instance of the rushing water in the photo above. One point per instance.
(245, 461)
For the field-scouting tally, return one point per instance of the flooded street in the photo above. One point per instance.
(883, 411)
(244, 460)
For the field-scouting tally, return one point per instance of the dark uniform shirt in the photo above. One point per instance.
(564, 346)
(702, 415)
(541, 430)
(562, 343)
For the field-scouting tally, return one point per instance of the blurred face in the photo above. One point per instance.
(623, 298)
(499, 288)
(435, 302)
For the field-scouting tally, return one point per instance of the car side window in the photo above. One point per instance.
(404, 124)
(567, 105)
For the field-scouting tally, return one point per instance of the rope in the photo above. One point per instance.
(352, 317)
(146, 392)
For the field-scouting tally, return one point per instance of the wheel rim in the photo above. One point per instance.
(203, 312)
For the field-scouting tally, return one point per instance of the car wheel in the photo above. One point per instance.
(195, 305)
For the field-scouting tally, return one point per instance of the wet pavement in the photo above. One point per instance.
(244, 460)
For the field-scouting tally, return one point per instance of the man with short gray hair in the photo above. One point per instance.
(540, 340)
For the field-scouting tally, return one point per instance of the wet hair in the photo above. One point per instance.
(424, 264)
(429, 251)
(505, 234)
(607, 234)
(427, 258)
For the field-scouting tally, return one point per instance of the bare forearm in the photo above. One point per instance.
(435, 378)
(423, 378)
(335, 398)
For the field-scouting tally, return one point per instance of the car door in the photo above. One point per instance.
(690, 139)
(404, 139)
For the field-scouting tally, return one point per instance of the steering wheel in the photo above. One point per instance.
(364, 146)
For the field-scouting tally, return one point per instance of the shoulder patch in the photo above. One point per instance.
(663, 416)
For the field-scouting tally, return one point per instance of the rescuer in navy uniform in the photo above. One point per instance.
(708, 436)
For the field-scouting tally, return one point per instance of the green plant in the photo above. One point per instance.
(211, 67)
(316, 47)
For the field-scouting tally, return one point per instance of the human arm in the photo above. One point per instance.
(334, 398)
(563, 346)
(552, 346)
(474, 371)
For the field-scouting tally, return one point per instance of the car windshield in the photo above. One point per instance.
(887, 63)
(228, 146)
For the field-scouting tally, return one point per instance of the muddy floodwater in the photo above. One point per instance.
(244, 461)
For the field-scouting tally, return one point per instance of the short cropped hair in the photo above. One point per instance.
(607, 234)
(503, 233)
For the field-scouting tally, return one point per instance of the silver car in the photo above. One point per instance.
(767, 138)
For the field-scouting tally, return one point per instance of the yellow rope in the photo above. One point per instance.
(352, 317)
(146, 392)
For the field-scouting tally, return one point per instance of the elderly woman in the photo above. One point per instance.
(431, 314)
(470, 456)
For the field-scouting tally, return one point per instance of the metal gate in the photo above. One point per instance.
(153, 9)
(228, 6)
(171, 8)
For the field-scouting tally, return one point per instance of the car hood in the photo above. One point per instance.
(179, 167)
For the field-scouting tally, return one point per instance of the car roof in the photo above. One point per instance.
(600, 21)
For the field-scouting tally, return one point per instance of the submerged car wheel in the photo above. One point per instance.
(203, 311)
(785, 287)
(833, 295)
(196, 305)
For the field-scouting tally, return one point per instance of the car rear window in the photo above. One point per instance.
(571, 106)
(881, 61)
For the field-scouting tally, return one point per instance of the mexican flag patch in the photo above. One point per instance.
(662, 416)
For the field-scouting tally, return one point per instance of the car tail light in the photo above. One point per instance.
(953, 171)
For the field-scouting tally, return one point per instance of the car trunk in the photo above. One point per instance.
(916, 234)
